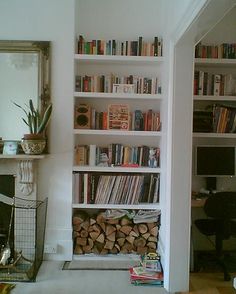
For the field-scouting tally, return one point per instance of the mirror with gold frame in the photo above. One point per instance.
(25, 74)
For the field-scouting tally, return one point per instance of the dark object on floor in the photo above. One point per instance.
(5, 288)
(220, 209)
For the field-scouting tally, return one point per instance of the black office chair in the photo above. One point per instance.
(220, 209)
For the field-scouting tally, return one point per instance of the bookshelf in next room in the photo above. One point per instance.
(214, 101)
(215, 91)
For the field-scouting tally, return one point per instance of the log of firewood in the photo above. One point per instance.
(151, 245)
(119, 234)
(111, 237)
(146, 235)
(101, 238)
(103, 226)
(100, 218)
(112, 221)
(140, 242)
(77, 227)
(79, 218)
(104, 251)
(126, 229)
(78, 249)
(76, 234)
(130, 239)
(142, 250)
(92, 221)
(110, 229)
(152, 239)
(134, 234)
(98, 245)
(121, 241)
(85, 224)
(125, 221)
(152, 250)
(142, 228)
(127, 246)
(96, 250)
(124, 250)
(87, 249)
(135, 229)
(84, 233)
(81, 241)
(96, 228)
(109, 244)
(154, 231)
(117, 246)
(114, 250)
(90, 242)
(151, 225)
(118, 226)
(94, 235)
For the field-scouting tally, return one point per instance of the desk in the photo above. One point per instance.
(198, 202)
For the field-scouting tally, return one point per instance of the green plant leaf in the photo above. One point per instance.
(46, 118)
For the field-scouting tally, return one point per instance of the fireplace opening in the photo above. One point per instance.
(7, 188)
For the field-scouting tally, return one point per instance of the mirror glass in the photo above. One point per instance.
(24, 72)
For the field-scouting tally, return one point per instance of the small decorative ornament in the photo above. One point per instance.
(10, 147)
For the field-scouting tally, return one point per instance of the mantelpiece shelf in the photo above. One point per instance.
(21, 156)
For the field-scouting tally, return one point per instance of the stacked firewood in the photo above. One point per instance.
(99, 235)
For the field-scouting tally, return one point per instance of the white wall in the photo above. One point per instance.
(54, 21)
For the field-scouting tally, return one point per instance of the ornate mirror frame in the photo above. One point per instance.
(42, 48)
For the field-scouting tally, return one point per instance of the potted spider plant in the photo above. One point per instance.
(34, 142)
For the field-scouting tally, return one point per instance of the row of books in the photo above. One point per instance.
(107, 84)
(206, 83)
(115, 47)
(224, 119)
(224, 50)
(137, 121)
(148, 272)
(117, 155)
(97, 188)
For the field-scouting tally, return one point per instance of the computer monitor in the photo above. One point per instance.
(214, 161)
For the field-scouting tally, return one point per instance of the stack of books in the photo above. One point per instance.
(148, 272)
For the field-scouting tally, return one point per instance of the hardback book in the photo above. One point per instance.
(118, 117)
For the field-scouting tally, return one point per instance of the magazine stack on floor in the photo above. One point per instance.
(148, 272)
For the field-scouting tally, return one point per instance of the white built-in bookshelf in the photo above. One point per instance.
(144, 101)
(136, 181)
